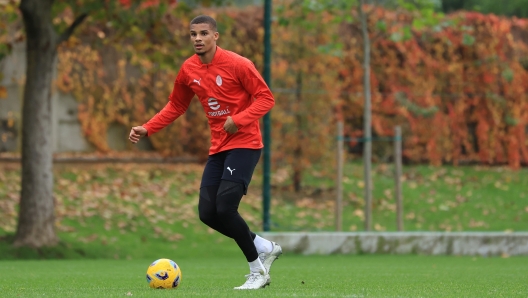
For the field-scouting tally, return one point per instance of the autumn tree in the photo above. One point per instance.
(48, 24)
(36, 215)
(366, 31)
(349, 14)
(305, 85)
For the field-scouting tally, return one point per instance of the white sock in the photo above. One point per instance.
(256, 266)
(262, 245)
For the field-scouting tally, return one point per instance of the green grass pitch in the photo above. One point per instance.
(292, 276)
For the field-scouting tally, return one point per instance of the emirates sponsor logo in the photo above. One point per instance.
(213, 104)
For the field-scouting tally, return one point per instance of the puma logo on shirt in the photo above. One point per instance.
(197, 81)
(231, 170)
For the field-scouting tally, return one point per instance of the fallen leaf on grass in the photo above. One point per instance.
(3, 92)
(175, 237)
(90, 238)
(359, 213)
(476, 223)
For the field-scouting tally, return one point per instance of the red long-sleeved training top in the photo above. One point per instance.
(225, 87)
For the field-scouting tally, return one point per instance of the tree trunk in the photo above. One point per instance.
(367, 131)
(298, 166)
(36, 223)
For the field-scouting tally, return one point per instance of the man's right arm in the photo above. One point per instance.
(179, 101)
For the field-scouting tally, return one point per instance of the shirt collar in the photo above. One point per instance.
(219, 52)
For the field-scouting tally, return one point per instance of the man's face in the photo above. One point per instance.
(203, 38)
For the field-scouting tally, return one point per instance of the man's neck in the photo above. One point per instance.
(208, 57)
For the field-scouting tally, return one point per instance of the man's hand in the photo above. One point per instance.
(136, 133)
(230, 126)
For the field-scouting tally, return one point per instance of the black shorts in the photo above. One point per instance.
(235, 165)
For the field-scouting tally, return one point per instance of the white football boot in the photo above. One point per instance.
(255, 281)
(267, 259)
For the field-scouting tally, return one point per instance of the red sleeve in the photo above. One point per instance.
(179, 101)
(255, 85)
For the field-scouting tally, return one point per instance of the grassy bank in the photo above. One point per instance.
(127, 211)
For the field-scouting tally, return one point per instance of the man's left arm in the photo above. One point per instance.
(255, 85)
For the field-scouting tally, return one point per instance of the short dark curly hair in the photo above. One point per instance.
(205, 20)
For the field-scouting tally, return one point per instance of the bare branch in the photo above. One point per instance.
(368, 13)
(68, 32)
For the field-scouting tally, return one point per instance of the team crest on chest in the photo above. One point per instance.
(219, 80)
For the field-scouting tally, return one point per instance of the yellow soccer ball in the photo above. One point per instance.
(164, 274)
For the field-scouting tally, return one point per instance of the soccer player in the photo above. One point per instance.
(234, 97)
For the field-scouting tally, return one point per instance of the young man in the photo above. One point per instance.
(234, 97)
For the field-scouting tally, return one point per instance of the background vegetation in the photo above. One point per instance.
(457, 86)
(468, 76)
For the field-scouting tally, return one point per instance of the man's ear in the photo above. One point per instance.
(216, 35)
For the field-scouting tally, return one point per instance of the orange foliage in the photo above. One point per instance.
(460, 93)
